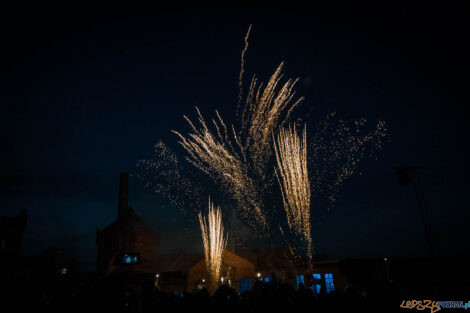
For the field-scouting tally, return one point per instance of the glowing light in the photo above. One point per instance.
(214, 241)
(237, 159)
(168, 177)
(242, 69)
(336, 148)
(292, 174)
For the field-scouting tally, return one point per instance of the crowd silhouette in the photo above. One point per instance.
(66, 293)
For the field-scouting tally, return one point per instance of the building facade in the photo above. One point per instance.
(128, 245)
(234, 271)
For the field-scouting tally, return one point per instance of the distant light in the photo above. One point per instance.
(129, 258)
(203, 280)
(385, 259)
(157, 275)
(222, 279)
(63, 271)
(259, 275)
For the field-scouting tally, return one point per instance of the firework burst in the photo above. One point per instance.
(266, 109)
(236, 158)
(214, 154)
(292, 174)
(167, 176)
(214, 241)
(336, 150)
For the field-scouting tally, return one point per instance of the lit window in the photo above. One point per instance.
(316, 286)
(317, 289)
(245, 285)
(299, 280)
(128, 258)
(329, 283)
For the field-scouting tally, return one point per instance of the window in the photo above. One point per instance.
(316, 286)
(245, 285)
(329, 283)
(128, 258)
(299, 280)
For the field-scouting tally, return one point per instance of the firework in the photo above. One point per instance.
(214, 154)
(336, 149)
(167, 176)
(242, 70)
(214, 241)
(266, 109)
(292, 174)
(236, 158)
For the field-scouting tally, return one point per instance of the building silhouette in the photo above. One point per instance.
(128, 253)
(128, 245)
(11, 233)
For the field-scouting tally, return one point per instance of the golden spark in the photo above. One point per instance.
(242, 70)
(214, 241)
(214, 154)
(292, 174)
(238, 159)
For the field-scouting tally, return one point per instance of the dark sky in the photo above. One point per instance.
(87, 92)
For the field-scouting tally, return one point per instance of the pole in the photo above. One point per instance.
(421, 210)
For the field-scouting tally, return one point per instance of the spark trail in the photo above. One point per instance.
(242, 70)
(214, 241)
(237, 158)
(293, 178)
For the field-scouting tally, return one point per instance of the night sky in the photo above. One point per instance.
(87, 92)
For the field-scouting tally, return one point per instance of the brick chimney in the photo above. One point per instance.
(123, 194)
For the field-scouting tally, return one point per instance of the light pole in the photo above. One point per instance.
(407, 175)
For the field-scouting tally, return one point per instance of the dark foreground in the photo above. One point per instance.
(110, 296)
